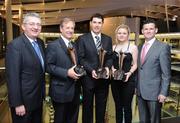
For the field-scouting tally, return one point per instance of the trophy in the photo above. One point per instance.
(101, 71)
(78, 69)
(119, 74)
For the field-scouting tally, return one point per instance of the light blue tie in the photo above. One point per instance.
(38, 52)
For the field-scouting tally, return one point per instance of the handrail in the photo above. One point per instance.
(2, 68)
(3, 100)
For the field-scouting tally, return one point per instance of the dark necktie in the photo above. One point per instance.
(38, 52)
(98, 43)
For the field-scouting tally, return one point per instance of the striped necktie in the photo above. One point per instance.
(98, 43)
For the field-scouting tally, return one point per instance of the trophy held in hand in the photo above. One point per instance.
(119, 74)
(101, 71)
(78, 69)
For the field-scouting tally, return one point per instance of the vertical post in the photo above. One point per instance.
(137, 25)
(20, 17)
(167, 17)
(8, 21)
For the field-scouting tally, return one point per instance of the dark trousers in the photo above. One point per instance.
(149, 111)
(67, 112)
(34, 116)
(100, 91)
(123, 93)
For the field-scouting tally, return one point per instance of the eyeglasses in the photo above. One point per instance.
(34, 24)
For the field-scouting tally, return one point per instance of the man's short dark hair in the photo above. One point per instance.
(97, 15)
(147, 21)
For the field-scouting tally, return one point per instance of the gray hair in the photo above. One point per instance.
(25, 18)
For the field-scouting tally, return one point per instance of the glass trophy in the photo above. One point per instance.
(78, 69)
(119, 73)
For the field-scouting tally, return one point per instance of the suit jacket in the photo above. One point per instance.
(25, 74)
(62, 87)
(88, 55)
(155, 73)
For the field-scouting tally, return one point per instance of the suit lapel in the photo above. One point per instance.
(63, 45)
(64, 48)
(102, 41)
(30, 48)
(139, 55)
(91, 42)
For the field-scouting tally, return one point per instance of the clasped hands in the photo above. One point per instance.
(127, 74)
(94, 74)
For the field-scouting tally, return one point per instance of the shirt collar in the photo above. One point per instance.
(93, 34)
(30, 39)
(150, 42)
(66, 41)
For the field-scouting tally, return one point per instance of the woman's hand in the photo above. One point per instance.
(128, 74)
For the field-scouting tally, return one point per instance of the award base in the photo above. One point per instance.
(119, 75)
(80, 70)
(101, 73)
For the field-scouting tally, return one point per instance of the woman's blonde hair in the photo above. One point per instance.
(119, 27)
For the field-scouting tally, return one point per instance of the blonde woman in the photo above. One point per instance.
(123, 90)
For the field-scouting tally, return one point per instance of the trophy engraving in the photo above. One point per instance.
(119, 74)
(101, 71)
(78, 69)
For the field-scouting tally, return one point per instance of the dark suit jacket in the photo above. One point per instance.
(62, 88)
(155, 73)
(25, 75)
(88, 55)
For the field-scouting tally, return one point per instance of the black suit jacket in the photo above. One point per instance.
(62, 87)
(88, 55)
(25, 74)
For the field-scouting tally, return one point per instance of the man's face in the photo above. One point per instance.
(96, 25)
(149, 30)
(32, 27)
(67, 30)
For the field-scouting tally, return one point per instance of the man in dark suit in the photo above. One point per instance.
(25, 72)
(87, 45)
(154, 73)
(64, 87)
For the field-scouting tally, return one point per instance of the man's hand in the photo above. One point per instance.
(94, 75)
(128, 74)
(20, 110)
(72, 74)
(161, 98)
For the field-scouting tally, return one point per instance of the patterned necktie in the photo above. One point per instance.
(144, 52)
(98, 43)
(38, 52)
(70, 45)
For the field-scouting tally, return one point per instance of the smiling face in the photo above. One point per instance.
(67, 29)
(149, 30)
(96, 25)
(32, 27)
(122, 35)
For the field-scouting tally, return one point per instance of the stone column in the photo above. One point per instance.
(9, 32)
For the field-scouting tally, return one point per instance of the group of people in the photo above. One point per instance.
(146, 73)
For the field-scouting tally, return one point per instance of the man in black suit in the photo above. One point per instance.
(88, 57)
(25, 72)
(64, 86)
